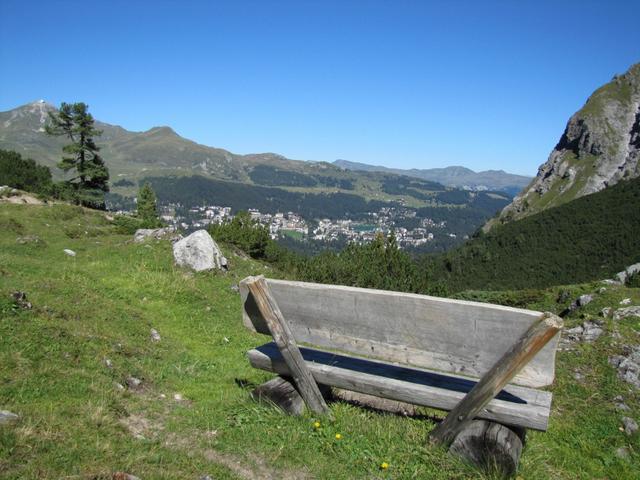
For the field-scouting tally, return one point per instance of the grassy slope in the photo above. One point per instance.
(103, 303)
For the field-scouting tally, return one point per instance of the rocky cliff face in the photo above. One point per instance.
(600, 146)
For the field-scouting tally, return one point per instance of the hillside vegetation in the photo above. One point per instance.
(66, 366)
(589, 238)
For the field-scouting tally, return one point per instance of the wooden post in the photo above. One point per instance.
(284, 339)
(533, 340)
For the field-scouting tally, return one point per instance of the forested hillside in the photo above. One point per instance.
(589, 238)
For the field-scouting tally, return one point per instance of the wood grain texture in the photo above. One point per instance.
(282, 393)
(518, 406)
(527, 346)
(453, 336)
(286, 342)
(490, 446)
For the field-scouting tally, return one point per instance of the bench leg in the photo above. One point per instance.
(490, 446)
(282, 392)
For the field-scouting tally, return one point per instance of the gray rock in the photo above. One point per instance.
(27, 239)
(601, 290)
(625, 301)
(108, 363)
(628, 366)
(584, 300)
(133, 382)
(624, 275)
(630, 425)
(199, 252)
(621, 313)
(7, 417)
(155, 336)
(606, 311)
(591, 331)
(623, 452)
(69, 252)
(143, 234)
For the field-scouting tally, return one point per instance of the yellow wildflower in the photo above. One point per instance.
(384, 465)
(316, 424)
(338, 436)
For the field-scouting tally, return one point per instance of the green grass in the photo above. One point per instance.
(101, 304)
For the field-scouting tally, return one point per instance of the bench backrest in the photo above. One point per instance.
(442, 334)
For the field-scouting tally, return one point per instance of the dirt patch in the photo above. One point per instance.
(259, 470)
(141, 427)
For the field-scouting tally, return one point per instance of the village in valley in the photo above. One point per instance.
(293, 225)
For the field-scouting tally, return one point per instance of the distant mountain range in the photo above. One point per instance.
(161, 151)
(459, 177)
(599, 147)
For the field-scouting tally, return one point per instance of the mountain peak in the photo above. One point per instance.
(599, 147)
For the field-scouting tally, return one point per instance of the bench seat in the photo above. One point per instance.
(514, 405)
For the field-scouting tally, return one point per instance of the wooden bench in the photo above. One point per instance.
(476, 360)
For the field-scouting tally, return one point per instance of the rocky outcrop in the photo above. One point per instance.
(600, 146)
(143, 234)
(199, 252)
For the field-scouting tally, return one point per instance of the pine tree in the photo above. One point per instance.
(91, 175)
(147, 206)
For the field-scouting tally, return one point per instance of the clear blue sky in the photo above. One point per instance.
(409, 84)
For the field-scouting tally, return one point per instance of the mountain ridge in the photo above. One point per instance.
(599, 147)
(452, 176)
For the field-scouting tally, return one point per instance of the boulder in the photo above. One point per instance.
(624, 275)
(143, 234)
(199, 252)
(584, 300)
(621, 313)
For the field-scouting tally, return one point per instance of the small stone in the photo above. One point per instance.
(119, 386)
(20, 299)
(155, 336)
(71, 253)
(630, 425)
(162, 396)
(28, 239)
(601, 290)
(133, 382)
(208, 309)
(605, 312)
(108, 363)
(622, 406)
(622, 452)
(584, 300)
(625, 301)
(7, 417)
(206, 477)
(225, 340)
(178, 397)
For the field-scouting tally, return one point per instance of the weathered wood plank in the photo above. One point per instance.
(285, 340)
(490, 446)
(429, 332)
(534, 339)
(282, 393)
(518, 406)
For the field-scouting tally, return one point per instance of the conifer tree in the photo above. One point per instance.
(147, 206)
(90, 175)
